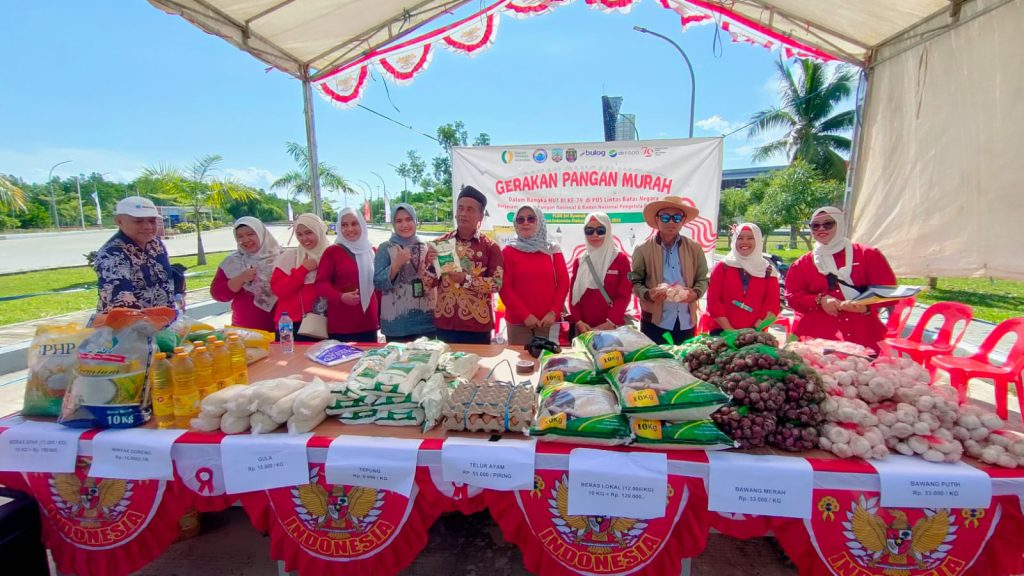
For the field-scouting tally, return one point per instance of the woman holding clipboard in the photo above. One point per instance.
(821, 286)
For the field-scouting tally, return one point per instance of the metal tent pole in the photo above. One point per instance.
(314, 163)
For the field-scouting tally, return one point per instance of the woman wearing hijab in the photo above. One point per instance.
(536, 280)
(600, 279)
(406, 305)
(821, 285)
(243, 278)
(294, 277)
(744, 286)
(345, 279)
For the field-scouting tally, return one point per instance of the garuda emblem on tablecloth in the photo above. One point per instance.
(887, 539)
(597, 534)
(341, 512)
(88, 500)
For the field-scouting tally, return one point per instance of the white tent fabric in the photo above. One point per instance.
(939, 183)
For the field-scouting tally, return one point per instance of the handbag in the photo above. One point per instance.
(627, 319)
(313, 325)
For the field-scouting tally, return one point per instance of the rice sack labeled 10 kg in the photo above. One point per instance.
(571, 365)
(611, 348)
(665, 390)
(52, 360)
(694, 435)
(581, 414)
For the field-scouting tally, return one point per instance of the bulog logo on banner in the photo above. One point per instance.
(856, 536)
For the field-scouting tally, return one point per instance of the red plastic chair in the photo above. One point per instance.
(899, 315)
(978, 365)
(952, 314)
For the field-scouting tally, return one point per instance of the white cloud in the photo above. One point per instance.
(718, 125)
(251, 176)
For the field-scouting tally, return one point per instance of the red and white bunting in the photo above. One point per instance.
(473, 37)
(528, 8)
(402, 66)
(609, 6)
(346, 89)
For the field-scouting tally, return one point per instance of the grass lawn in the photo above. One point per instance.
(771, 245)
(82, 278)
(992, 300)
(434, 228)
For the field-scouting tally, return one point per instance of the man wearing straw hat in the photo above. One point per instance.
(668, 260)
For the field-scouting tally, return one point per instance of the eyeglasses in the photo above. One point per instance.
(525, 219)
(826, 225)
(600, 231)
(666, 218)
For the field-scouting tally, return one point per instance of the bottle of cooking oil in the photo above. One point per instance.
(186, 396)
(239, 367)
(221, 365)
(162, 391)
(204, 371)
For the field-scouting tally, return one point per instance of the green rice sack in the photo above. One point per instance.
(611, 348)
(572, 365)
(694, 435)
(580, 413)
(664, 390)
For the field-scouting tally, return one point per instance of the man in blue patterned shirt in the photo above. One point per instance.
(133, 268)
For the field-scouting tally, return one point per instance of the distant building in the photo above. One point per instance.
(610, 106)
(625, 127)
(738, 177)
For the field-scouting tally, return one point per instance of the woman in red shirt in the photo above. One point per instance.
(345, 279)
(295, 272)
(243, 278)
(603, 265)
(744, 287)
(535, 281)
(820, 285)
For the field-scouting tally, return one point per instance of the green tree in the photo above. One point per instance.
(195, 187)
(732, 207)
(297, 182)
(412, 170)
(482, 139)
(11, 196)
(789, 197)
(815, 133)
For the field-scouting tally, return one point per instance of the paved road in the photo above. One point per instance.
(26, 252)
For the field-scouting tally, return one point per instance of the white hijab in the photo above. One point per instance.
(755, 264)
(823, 254)
(602, 258)
(363, 252)
(262, 261)
(292, 258)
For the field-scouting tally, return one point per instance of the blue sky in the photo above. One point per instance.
(118, 86)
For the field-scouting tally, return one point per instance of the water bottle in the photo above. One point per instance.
(285, 334)
(239, 366)
(162, 391)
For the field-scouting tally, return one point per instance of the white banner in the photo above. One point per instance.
(567, 181)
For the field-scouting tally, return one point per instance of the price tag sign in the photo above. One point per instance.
(909, 482)
(133, 454)
(264, 461)
(623, 484)
(39, 447)
(385, 463)
(766, 485)
(501, 465)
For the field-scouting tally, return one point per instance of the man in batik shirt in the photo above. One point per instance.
(133, 268)
(464, 313)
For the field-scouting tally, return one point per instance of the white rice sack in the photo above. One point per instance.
(216, 404)
(459, 364)
(266, 395)
(281, 411)
(312, 400)
(262, 423)
(428, 344)
(298, 425)
(232, 424)
(205, 423)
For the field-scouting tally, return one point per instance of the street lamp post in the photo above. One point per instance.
(53, 200)
(370, 188)
(405, 184)
(384, 203)
(693, 78)
(632, 123)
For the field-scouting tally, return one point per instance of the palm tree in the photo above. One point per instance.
(11, 197)
(297, 182)
(196, 187)
(814, 133)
